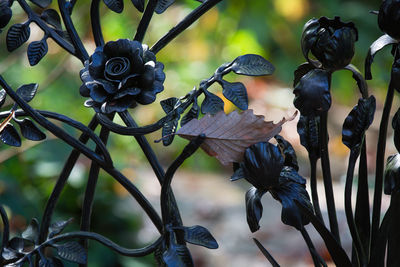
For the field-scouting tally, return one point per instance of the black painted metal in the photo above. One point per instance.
(269, 168)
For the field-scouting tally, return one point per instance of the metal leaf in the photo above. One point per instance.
(17, 244)
(57, 227)
(396, 128)
(115, 5)
(338, 255)
(228, 135)
(178, 256)
(212, 104)
(36, 51)
(27, 91)
(32, 232)
(236, 93)
(10, 136)
(252, 65)
(139, 4)
(9, 254)
(393, 255)
(169, 104)
(162, 5)
(3, 95)
(30, 131)
(200, 236)
(287, 194)
(301, 70)
(288, 152)
(51, 17)
(308, 128)
(238, 174)
(42, 3)
(72, 251)
(50, 262)
(17, 35)
(380, 43)
(193, 113)
(168, 131)
(254, 208)
(357, 122)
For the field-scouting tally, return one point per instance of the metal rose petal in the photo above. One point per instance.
(127, 91)
(89, 103)
(85, 75)
(158, 87)
(136, 61)
(97, 92)
(117, 68)
(96, 65)
(146, 97)
(119, 105)
(108, 86)
(148, 76)
(148, 56)
(159, 73)
(121, 47)
(129, 81)
(84, 90)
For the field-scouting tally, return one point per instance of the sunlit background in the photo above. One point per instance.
(271, 28)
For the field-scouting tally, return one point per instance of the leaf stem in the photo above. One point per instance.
(96, 25)
(90, 191)
(317, 259)
(314, 189)
(362, 211)
(6, 229)
(145, 20)
(380, 164)
(81, 52)
(188, 150)
(99, 238)
(183, 25)
(362, 260)
(326, 171)
(47, 30)
(62, 179)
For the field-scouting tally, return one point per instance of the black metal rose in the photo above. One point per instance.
(5, 13)
(121, 74)
(264, 166)
(389, 18)
(312, 92)
(331, 41)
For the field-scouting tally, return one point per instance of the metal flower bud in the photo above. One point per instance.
(273, 169)
(392, 174)
(312, 93)
(389, 18)
(331, 41)
(5, 13)
(262, 165)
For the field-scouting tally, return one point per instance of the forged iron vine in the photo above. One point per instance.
(122, 74)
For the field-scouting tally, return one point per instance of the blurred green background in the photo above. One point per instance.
(271, 28)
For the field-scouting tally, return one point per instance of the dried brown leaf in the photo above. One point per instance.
(228, 135)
